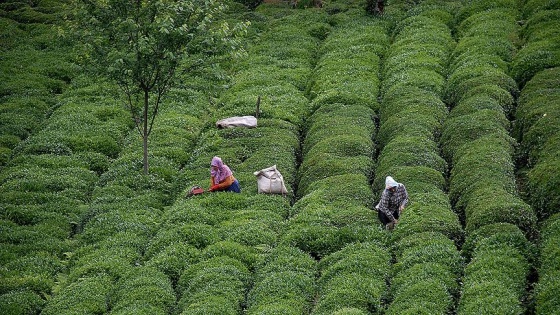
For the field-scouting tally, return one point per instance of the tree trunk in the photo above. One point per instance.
(145, 132)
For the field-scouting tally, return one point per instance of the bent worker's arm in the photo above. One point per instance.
(226, 183)
(404, 197)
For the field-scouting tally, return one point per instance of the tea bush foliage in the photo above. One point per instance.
(482, 183)
(450, 98)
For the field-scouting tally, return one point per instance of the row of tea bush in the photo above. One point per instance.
(535, 67)
(243, 265)
(125, 207)
(332, 218)
(35, 68)
(538, 117)
(47, 185)
(476, 141)
(426, 239)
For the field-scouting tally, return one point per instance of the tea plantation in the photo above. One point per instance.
(459, 100)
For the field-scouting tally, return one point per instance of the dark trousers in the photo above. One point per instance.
(235, 187)
(384, 219)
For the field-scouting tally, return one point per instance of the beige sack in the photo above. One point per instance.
(270, 181)
(241, 121)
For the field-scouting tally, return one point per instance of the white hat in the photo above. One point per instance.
(390, 182)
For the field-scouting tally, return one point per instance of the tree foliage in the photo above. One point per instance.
(142, 44)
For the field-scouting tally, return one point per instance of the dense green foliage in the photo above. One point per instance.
(458, 100)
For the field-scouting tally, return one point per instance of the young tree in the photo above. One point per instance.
(141, 44)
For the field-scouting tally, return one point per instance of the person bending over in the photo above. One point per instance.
(221, 177)
(393, 201)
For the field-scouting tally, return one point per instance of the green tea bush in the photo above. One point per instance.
(21, 302)
(45, 236)
(414, 99)
(342, 284)
(430, 296)
(35, 272)
(437, 273)
(351, 290)
(356, 33)
(497, 274)
(464, 80)
(369, 259)
(536, 99)
(191, 211)
(534, 57)
(290, 287)
(91, 261)
(344, 121)
(500, 206)
(418, 25)
(338, 214)
(89, 295)
(542, 25)
(173, 259)
(344, 190)
(547, 293)
(419, 179)
(427, 247)
(426, 79)
(219, 277)
(143, 286)
(543, 188)
(488, 297)
(249, 256)
(248, 232)
(466, 60)
(411, 151)
(425, 215)
(539, 142)
(473, 104)
(484, 6)
(491, 23)
(324, 165)
(317, 238)
(548, 284)
(498, 262)
(533, 6)
(462, 130)
(499, 233)
(473, 169)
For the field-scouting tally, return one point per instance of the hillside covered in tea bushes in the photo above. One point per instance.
(459, 100)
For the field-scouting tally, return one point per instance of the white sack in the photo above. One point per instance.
(241, 121)
(270, 181)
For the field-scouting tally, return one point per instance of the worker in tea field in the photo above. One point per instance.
(221, 177)
(393, 201)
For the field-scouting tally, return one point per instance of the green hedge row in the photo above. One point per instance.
(284, 282)
(424, 278)
(476, 138)
(125, 207)
(47, 185)
(334, 202)
(549, 269)
(36, 67)
(353, 277)
(225, 227)
(536, 69)
(214, 286)
(536, 129)
(538, 132)
(476, 141)
(540, 34)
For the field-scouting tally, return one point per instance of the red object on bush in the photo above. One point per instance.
(195, 190)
